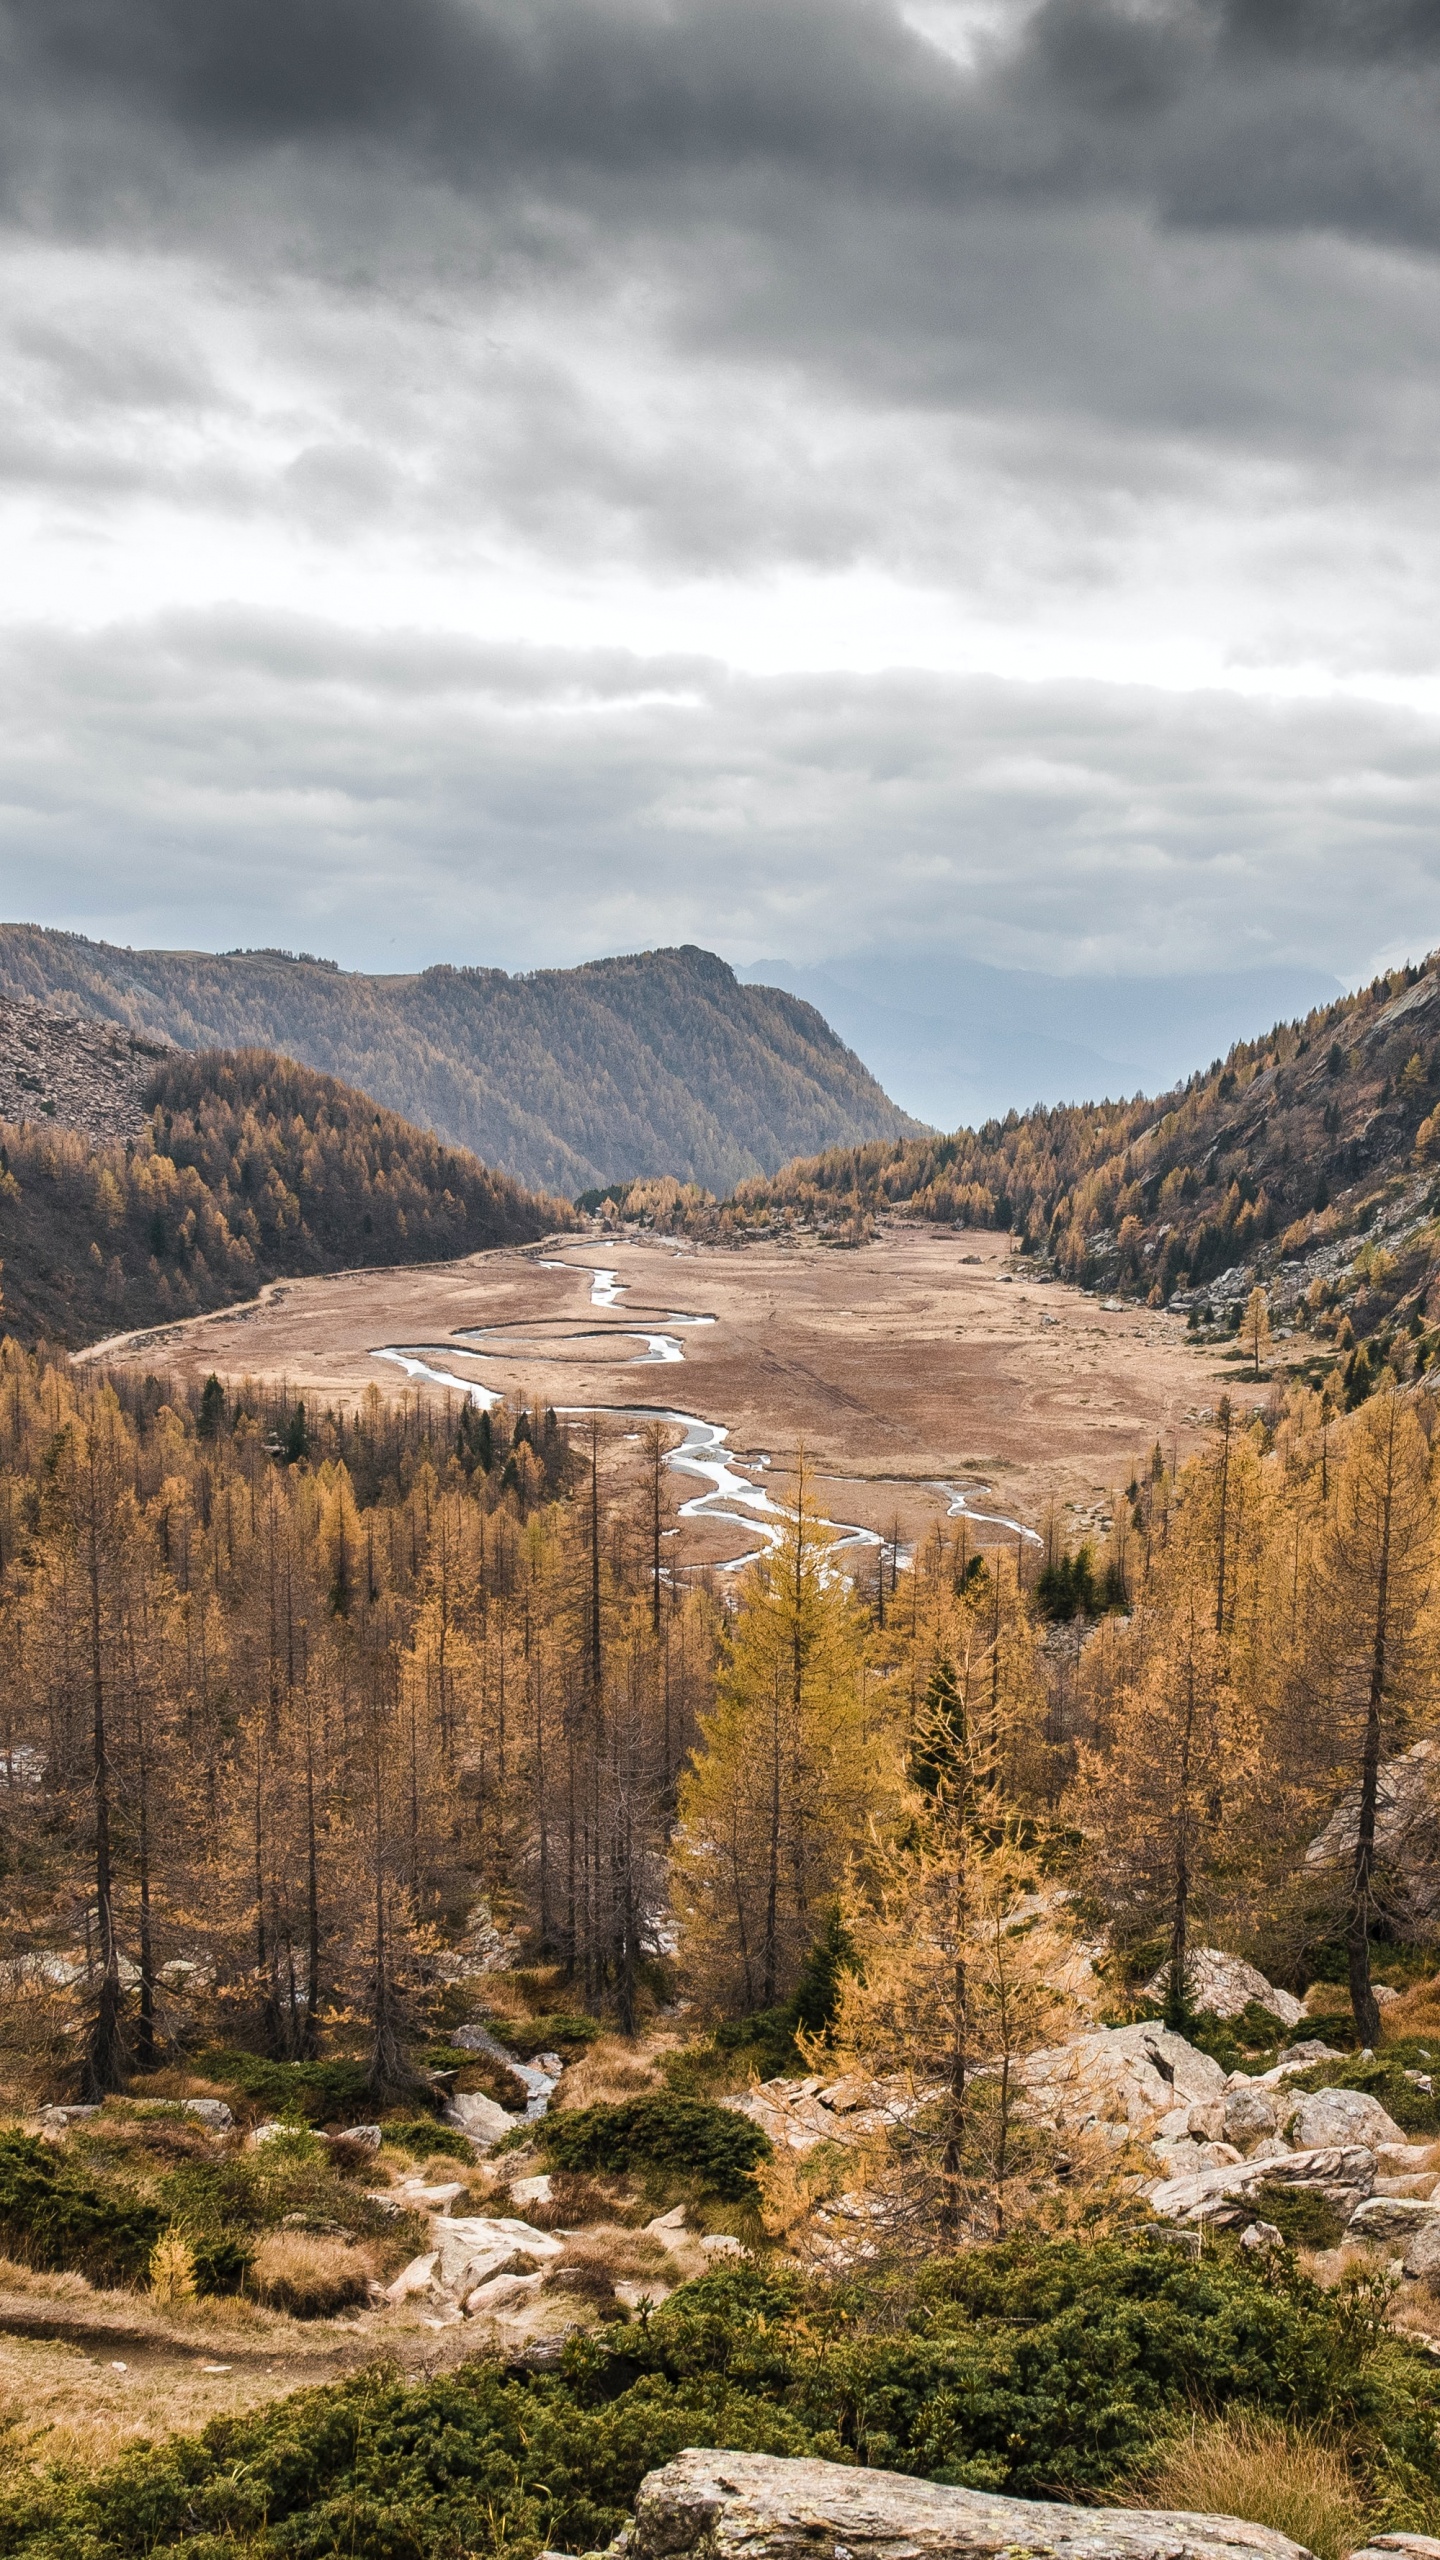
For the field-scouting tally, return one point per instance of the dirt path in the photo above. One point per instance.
(904, 1366)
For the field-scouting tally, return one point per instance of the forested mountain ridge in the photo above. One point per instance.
(1272, 1162)
(244, 1168)
(568, 1079)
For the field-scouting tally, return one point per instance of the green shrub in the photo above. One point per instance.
(321, 2092)
(686, 2136)
(421, 2136)
(1041, 2369)
(1302, 2216)
(221, 2262)
(53, 2216)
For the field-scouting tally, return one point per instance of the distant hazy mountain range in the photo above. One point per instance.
(960, 1043)
(568, 1080)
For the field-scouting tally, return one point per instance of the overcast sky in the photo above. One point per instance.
(509, 480)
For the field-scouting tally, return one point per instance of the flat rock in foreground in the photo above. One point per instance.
(757, 2506)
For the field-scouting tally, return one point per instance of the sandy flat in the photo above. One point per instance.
(901, 1366)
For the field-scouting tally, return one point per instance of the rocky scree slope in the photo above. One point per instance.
(73, 1071)
(236, 1170)
(570, 1079)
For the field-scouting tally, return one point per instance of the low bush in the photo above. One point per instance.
(687, 2137)
(51, 2215)
(1054, 2368)
(308, 2276)
(321, 2092)
(425, 2139)
(1304, 2218)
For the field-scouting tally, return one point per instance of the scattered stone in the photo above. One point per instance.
(1260, 2235)
(721, 2244)
(74, 1071)
(211, 2111)
(1248, 2115)
(760, 2506)
(473, 2247)
(531, 2190)
(366, 2137)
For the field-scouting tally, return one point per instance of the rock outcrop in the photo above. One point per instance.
(1224, 1985)
(1123, 2083)
(759, 2506)
(1407, 1828)
(74, 1072)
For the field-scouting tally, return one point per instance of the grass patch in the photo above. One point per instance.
(1287, 2478)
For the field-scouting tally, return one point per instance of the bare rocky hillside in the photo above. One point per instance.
(74, 1072)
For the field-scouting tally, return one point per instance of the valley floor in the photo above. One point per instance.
(913, 1370)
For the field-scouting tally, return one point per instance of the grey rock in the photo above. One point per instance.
(759, 2506)
(211, 2111)
(1223, 1985)
(482, 2118)
(1422, 2250)
(1392, 2218)
(1249, 2114)
(1344, 2175)
(1421, 2546)
(366, 2137)
(1344, 2116)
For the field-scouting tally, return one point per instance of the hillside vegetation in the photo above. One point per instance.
(245, 1168)
(570, 1079)
(1303, 1161)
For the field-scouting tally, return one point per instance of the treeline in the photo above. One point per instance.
(1284, 1141)
(248, 1168)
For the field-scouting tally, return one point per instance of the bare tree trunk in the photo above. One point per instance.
(1363, 2002)
(103, 2066)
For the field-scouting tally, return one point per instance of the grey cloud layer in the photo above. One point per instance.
(1122, 333)
(395, 801)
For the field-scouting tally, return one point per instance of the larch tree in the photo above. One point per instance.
(796, 1767)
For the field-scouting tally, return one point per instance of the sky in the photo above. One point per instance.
(510, 480)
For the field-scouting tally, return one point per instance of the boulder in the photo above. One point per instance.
(1248, 2116)
(482, 2118)
(1341, 2116)
(761, 2506)
(1407, 1826)
(1419, 2546)
(502, 2292)
(1392, 2218)
(1422, 2249)
(1344, 2176)
(211, 2111)
(473, 2247)
(797, 2114)
(531, 2190)
(1129, 2079)
(1221, 1986)
(412, 2279)
(366, 2137)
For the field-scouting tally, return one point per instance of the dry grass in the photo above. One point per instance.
(310, 2277)
(596, 2261)
(577, 2198)
(1254, 2467)
(61, 2403)
(1415, 2013)
(608, 2069)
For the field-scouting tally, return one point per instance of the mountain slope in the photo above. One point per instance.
(245, 1168)
(1305, 1158)
(570, 1079)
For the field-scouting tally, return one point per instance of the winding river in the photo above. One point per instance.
(703, 1453)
